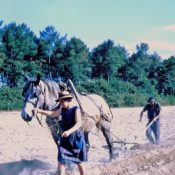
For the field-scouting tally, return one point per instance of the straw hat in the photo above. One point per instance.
(64, 95)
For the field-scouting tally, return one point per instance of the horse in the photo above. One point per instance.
(43, 94)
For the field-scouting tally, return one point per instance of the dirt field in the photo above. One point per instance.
(29, 149)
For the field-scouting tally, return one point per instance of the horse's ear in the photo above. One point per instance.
(38, 79)
(26, 78)
(63, 86)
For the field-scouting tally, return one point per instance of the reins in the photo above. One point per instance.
(40, 120)
(73, 90)
(118, 140)
(84, 114)
(37, 117)
(99, 108)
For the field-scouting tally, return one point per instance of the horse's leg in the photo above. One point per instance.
(86, 137)
(105, 128)
(56, 138)
(55, 132)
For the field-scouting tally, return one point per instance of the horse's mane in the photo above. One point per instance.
(52, 86)
(50, 89)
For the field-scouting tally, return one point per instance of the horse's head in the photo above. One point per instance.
(40, 94)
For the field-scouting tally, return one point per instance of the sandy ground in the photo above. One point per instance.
(29, 149)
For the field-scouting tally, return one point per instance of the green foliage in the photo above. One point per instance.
(18, 41)
(75, 64)
(2, 59)
(50, 49)
(119, 93)
(106, 70)
(138, 67)
(106, 59)
(10, 99)
(99, 86)
(166, 77)
(116, 92)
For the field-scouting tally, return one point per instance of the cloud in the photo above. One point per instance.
(170, 28)
(164, 48)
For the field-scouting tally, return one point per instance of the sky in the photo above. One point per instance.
(126, 22)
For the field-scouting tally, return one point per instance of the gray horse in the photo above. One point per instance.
(95, 111)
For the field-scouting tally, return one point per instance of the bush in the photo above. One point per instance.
(10, 99)
(98, 86)
(117, 93)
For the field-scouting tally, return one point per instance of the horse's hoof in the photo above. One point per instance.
(113, 157)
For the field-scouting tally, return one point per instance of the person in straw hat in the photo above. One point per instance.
(72, 147)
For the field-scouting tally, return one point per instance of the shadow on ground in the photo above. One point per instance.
(27, 167)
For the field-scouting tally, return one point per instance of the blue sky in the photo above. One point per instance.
(126, 22)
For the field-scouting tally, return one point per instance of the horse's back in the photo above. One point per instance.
(95, 106)
(106, 112)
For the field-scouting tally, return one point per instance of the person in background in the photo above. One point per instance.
(72, 147)
(153, 109)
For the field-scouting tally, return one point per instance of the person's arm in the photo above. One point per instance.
(48, 113)
(141, 115)
(76, 126)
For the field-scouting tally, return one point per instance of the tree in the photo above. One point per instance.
(1, 34)
(140, 66)
(18, 41)
(106, 59)
(2, 55)
(49, 43)
(74, 64)
(166, 77)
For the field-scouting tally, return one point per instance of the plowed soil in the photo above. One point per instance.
(29, 149)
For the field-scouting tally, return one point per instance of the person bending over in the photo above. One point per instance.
(153, 109)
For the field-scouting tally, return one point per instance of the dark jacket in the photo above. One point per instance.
(152, 110)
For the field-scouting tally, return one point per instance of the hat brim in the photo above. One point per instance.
(64, 97)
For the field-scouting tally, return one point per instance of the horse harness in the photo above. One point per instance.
(102, 115)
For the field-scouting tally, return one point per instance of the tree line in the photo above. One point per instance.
(108, 69)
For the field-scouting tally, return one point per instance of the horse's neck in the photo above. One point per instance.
(50, 91)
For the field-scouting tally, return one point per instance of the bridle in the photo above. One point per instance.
(37, 91)
(34, 101)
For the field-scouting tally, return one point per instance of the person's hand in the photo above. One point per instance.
(141, 114)
(154, 119)
(65, 134)
(140, 118)
(35, 111)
